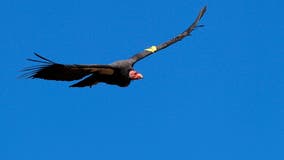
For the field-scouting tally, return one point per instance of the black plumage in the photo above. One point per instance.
(119, 73)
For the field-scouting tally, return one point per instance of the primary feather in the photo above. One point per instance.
(119, 73)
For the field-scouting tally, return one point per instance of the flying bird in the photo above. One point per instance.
(119, 73)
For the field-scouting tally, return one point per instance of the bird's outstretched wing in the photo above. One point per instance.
(50, 70)
(179, 37)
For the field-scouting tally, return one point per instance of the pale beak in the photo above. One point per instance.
(139, 76)
(133, 75)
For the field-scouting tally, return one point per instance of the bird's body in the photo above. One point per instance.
(119, 73)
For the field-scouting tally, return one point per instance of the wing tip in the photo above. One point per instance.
(202, 12)
(41, 57)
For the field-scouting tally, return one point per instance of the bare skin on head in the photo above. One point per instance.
(134, 75)
(119, 73)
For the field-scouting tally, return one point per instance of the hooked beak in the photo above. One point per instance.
(134, 75)
(139, 76)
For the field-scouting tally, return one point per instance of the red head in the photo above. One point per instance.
(134, 75)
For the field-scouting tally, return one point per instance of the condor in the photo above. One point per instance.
(119, 73)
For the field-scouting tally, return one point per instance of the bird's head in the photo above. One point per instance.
(134, 75)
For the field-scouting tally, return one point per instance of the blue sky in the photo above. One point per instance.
(215, 95)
